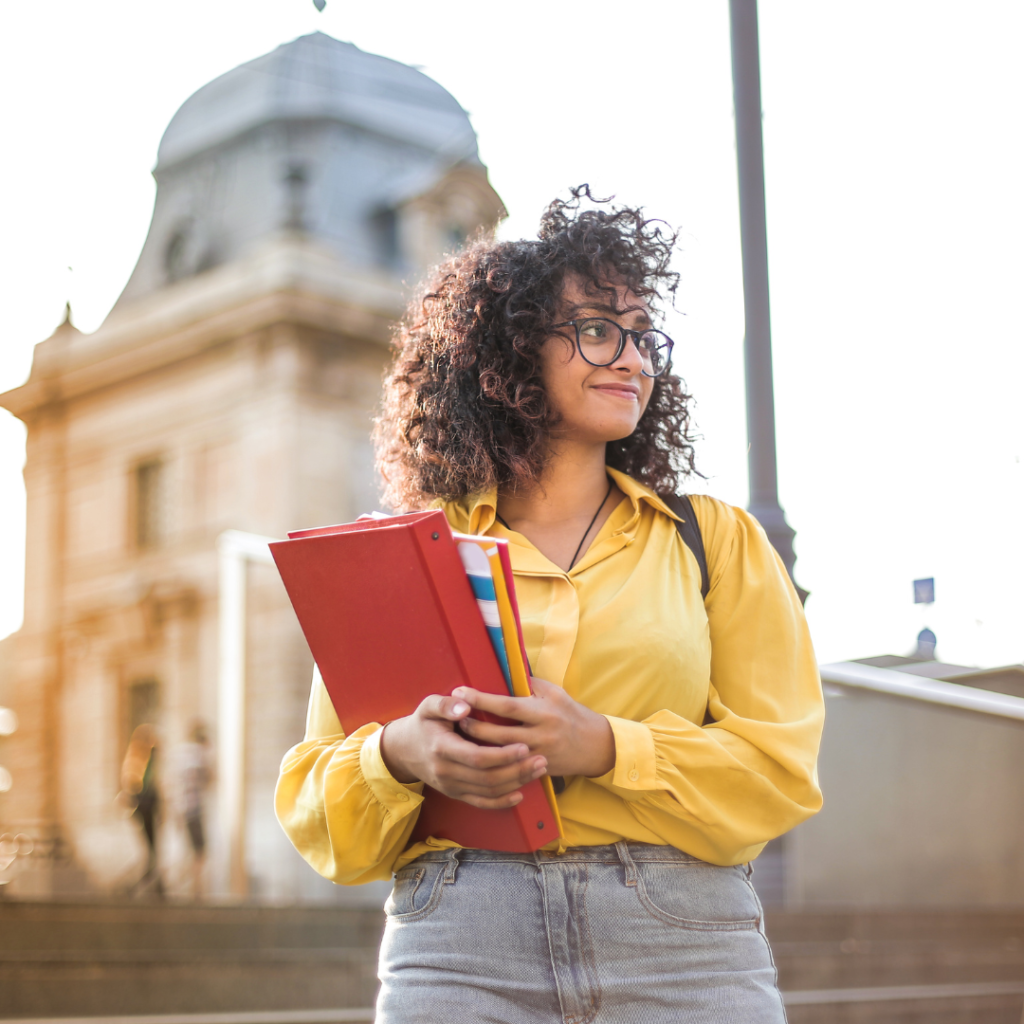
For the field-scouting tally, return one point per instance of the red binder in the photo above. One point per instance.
(390, 617)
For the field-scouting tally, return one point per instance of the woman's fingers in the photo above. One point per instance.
(493, 804)
(447, 709)
(520, 709)
(494, 781)
(488, 732)
(542, 688)
(453, 747)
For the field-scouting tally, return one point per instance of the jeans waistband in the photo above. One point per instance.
(618, 853)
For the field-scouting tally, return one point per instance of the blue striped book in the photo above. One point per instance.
(478, 569)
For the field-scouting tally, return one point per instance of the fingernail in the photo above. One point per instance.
(460, 709)
(516, 798)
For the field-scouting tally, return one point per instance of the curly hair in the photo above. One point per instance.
(464, 407)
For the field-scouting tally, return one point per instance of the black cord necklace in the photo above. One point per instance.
(611, 486)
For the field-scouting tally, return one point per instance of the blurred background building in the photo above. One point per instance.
(231, 387)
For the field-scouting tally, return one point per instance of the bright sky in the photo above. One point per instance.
(893, 163)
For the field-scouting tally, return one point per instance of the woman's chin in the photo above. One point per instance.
(605, 434)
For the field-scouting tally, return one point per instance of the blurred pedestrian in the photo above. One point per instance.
(139, 786)
(190, 776)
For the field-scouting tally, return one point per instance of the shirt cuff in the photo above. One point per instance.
(635, 760)
(397, 797)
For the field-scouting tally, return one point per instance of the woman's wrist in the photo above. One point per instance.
(391, 751)
(600, 747)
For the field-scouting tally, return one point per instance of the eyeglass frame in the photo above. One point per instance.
(625, 334)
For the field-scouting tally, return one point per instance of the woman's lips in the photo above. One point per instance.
(628, 392)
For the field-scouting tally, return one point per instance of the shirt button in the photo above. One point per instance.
(634, 775)
(403, 796)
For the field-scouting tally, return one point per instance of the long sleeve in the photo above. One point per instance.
(337, 802)
(721, 790)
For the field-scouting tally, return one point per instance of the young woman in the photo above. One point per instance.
(532, 398)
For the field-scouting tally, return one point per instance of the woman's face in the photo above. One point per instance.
(596, 404)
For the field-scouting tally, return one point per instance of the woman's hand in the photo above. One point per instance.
(572, 739)
(424, 747)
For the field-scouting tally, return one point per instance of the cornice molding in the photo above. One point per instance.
(286, 280)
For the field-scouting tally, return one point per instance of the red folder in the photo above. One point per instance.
(390, 617)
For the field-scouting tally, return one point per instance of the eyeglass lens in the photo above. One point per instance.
(601, 342)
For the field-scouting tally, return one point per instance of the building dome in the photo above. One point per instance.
(313, 78)
(359, 154)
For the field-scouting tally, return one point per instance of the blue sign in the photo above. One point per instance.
(924, 591)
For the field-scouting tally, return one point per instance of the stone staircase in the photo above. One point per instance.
(900, 967)
(182, 964)
(104, 960)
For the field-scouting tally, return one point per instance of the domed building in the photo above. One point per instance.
(231, 388)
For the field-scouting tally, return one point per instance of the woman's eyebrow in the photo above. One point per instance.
(595, 307)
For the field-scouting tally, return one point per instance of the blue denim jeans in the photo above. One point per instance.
(623, 934)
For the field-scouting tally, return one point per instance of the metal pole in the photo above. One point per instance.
(757, 343)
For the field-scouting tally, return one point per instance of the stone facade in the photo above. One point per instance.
(232, 387)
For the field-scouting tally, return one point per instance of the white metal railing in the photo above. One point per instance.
(893, 683)
(235, 549)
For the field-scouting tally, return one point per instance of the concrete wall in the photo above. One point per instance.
(923, 806)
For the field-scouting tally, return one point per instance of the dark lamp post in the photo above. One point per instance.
(757, 343)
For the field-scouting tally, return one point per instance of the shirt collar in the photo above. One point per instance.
(477, 513)
(637, 492)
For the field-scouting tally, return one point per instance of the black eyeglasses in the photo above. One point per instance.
(601, 342)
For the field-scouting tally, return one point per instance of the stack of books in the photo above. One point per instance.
(395, 608)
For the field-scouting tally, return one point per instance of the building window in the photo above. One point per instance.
(384, 225)
(149, 504)
(454, 238)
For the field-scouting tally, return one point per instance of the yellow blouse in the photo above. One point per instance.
(626, 633)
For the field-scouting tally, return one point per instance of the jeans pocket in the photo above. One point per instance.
(416, 891)
(697, 895)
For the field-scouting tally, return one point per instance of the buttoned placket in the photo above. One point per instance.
(550, 660)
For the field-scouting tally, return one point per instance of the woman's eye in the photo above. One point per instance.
(594, 329)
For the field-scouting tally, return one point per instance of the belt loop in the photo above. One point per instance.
(451, 865)
(622, 849)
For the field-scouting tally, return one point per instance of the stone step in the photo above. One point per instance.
(828, 950)
(986, 927)
(978, 1003)
(831, 965)
(192, 982)
(93, 926)
(362, 1015)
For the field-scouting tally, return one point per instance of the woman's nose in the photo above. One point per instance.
(629, 358)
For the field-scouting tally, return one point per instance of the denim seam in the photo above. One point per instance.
(764, 937)
(745, 924)
(541, 880)
(587, 952)
(429, 907)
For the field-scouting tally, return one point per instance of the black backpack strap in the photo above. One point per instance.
(690, 532)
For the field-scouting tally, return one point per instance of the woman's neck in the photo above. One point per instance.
(554, 513)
